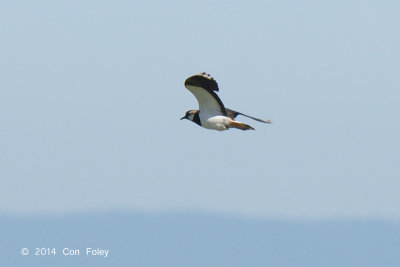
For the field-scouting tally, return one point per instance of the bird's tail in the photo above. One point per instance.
(239, 125)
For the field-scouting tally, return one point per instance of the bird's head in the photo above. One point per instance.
(189, 115)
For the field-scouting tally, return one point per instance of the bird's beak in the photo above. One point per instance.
(184, 117)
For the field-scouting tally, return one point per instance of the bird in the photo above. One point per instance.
(212, 113)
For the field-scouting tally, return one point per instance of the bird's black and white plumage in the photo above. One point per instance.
(212, 113)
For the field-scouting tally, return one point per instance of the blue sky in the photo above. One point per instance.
(92, 92)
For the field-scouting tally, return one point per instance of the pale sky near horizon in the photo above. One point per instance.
(91, 94)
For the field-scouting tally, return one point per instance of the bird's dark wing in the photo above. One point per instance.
(233, 114)
(203, 87)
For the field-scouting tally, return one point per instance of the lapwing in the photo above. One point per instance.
(212, 113)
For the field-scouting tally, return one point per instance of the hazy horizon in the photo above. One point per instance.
(184, 239)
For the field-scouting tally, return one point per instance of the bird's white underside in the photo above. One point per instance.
(218, 122)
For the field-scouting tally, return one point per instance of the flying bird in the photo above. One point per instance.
(212, 113)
